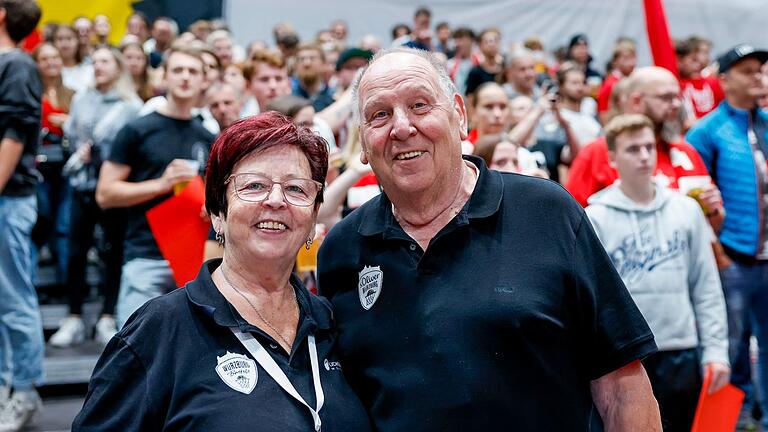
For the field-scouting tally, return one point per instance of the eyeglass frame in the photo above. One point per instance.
(319, 185)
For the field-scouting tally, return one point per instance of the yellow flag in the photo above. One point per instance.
(65, 11)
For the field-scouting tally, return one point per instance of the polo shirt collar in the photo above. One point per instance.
(377, 218)
(204, 294)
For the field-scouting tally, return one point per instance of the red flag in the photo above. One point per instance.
(659, 39)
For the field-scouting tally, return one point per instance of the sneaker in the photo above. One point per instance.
(106, 327)
(19, 410)
(71, 332)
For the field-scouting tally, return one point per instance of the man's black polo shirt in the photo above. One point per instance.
(159, 371)
(500, 325)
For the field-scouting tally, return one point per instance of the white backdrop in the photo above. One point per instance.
(725, 22)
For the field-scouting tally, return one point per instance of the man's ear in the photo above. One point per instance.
(461, 110)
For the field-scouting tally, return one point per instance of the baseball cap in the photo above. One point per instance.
(577, 39)
(739, 53)
(351, 53)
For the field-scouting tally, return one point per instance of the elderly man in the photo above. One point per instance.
(461, 306)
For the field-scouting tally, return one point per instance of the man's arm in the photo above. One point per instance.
(625, 400)
(114, 191)
(10, 155)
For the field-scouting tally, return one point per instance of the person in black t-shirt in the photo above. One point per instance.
(21, 333)
(149, 156)
(489, 42)
(469, 299)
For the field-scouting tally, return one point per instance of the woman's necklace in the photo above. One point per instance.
(295, 301)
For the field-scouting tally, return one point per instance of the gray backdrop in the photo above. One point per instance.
(725, 22)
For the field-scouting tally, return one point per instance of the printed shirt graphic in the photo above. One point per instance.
(634, 262)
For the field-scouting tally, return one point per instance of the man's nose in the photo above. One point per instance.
(401, 125)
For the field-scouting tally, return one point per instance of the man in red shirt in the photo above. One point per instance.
(655, 92)
(701, 94)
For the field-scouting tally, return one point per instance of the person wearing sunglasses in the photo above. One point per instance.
(244, 346)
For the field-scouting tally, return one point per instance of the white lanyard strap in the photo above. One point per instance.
(268, 363)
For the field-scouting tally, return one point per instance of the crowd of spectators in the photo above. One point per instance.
(121, 125)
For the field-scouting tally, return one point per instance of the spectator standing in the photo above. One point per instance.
(149, 156)
(623, 62)
(309, 82)
(267, 78)
(138, 26)
(733, 142)
(464, 58)
(573, 91)
(701, 94)
(21, 330)
(164, 31)
(659, 242)
(102, 28)
(137, 63)
(77, 73)
(54, 197)
(85, 34)
(224, 102)
(578, 52)
(96, 116)
(489, 42)
(520, 75)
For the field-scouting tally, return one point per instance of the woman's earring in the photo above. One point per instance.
(220, 238)
(308, 244)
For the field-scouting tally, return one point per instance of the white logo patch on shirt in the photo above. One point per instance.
(237, 371)
(369, 286)
(680, 159)
(332, 365)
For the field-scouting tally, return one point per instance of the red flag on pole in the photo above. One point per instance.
(659, 39)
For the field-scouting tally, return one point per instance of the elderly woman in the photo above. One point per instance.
(244, 346)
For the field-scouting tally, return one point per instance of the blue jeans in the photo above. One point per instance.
(21, 329)
(746, 296)
(142, 280)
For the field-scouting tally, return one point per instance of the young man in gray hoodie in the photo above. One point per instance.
(659, 242)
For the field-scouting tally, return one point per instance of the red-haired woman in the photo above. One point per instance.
(244, 346)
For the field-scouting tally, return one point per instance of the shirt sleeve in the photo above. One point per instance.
(124, 146)
(706, 291)
(117, 396)
(614, 331)
(21, 90)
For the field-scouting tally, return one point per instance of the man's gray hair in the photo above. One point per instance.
(219, 86)
(517, 54)
(447, 87)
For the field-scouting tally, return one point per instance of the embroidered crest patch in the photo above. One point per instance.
(369, 286)
(237, 371)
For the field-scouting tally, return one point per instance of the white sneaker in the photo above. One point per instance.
(71, 332)
(19, 410)
(106, 327)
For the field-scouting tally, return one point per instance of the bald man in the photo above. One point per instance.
(655, 92)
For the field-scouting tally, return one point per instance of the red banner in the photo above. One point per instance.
(660, 41)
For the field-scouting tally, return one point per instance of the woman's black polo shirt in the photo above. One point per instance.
(500, 325)
(159, 371)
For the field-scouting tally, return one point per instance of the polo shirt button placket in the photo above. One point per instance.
(413, 246)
